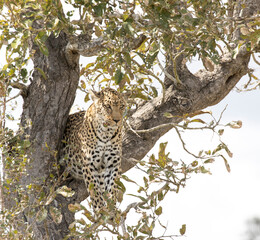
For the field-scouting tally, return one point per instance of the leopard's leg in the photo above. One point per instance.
(92, 180)
(112, 172)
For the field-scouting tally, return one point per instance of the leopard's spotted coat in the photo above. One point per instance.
(92, 145)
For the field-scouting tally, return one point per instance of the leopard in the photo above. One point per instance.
(92, 145)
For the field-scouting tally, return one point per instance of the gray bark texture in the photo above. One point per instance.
(49, 99)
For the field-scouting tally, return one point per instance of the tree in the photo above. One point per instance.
(128, 38)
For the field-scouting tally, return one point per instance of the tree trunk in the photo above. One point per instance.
(45, 111)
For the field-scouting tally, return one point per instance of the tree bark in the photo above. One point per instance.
(45, 111)
(51, 95)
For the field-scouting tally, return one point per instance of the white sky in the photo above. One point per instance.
(217, 206)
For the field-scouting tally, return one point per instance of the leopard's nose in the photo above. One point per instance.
(116, 120)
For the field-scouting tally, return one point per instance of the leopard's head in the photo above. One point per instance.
(109, 106)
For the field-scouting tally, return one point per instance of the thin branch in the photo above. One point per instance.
(175, 67)
(152, 74)
(165, 125)
(165, 72)
(183, 143)
(174, 125)
(138, 204)
(256, 61)
(88, 48)
(10, 99)
(22, 87)
(131, 129)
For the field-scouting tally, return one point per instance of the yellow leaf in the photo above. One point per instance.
(183, 229)
(98, 31)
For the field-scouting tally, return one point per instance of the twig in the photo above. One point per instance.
(183, 143)
(10, 99)
(221, 115)
(256, 61)
(165, 72)
(156, 128)
(138, 204)
(122, 224)
(153, 75)
(131, 129)
(175, 67)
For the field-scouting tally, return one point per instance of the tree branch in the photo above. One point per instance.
(200, 90)
(23, 88)
(84, 46)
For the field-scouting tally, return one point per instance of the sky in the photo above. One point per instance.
(217, 206)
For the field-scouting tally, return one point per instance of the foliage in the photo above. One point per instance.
(171, 28)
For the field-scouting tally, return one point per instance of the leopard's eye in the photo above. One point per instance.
(122, 107)
(108, 107)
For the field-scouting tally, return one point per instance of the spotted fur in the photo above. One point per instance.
(92, 145)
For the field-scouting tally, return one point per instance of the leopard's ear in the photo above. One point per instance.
(94, 95)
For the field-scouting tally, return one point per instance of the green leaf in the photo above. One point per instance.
(98, 31)
(86, 99)
(194, 163)
(120, 185)
(89, 215)
(158, 211)
(140, 197)
(128, 58)
(118, 76)
(150, 59)
(128, 179)
(42, 36)
(155, 92)
(56, 214)
(160, 196)
(42, 73)
(16, 43)
(44, 49)
(26, 143)
(220, 132)
(198, 120)
(99, 9)
(24, 72)
(210, 160)
(128, 28)
(162, 157)
(41, 215)
(168, 115)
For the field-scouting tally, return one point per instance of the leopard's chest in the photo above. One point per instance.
(99, 147)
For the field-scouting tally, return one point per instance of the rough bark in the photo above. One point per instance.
(45, 111)
(50, 97)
